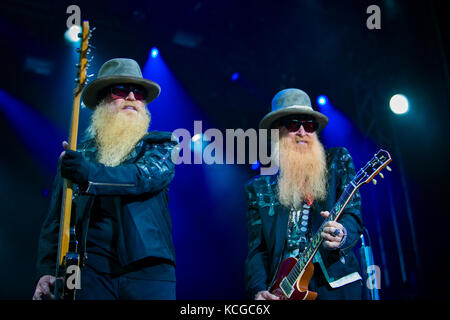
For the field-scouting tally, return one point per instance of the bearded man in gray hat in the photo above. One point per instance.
(121, 174)
(286, 209)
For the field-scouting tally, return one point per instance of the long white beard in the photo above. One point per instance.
(303, 172)
(117, 133)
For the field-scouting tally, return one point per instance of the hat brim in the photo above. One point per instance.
(91, 91)
(269, 119)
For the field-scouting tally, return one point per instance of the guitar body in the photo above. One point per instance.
(68, 272)
(299, 290)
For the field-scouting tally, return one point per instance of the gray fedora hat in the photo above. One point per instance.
(116, 71)
(290, 102)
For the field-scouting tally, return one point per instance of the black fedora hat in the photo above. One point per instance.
(116, 71)
(290, 102)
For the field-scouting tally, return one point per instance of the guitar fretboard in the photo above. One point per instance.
(317, 239)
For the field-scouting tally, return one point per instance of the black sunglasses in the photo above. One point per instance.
(293, 125)
(123, 90)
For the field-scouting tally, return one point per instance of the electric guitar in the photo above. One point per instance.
(68, 258)
(294, 274)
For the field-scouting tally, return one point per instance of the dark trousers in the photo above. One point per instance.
(135, 285)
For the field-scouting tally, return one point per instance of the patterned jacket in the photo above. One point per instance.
(268, 221)
(140, 189)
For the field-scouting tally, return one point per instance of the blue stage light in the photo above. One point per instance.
(256, 165)
(154, 52)
(45, 192)
(322, 100)
(235, 76)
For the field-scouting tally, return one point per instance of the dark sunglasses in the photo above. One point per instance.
(123, 91)
(293, 125)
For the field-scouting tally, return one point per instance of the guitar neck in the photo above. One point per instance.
(66, 206)
(316, 240)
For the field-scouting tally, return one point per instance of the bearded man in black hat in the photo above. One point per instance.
(286, 209)
(121, 175)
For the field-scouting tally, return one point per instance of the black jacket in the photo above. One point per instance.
(140, 189)
(268, 220)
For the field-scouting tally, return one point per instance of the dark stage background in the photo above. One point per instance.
(222, 62)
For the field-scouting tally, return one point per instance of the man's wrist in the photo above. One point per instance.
(344, 238)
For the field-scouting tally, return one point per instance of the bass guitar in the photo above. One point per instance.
(68, 258)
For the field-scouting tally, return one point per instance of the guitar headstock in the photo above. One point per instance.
(84, 50)
(379, 161)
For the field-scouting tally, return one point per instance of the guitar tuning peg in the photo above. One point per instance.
(92, 29)
(77, 80)
(381, 175)
(374, 182)
(91, 75)
(91, 46)
(388, 168)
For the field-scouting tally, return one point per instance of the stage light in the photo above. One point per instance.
(399, 104)
(71, 34)
(322, 100)
(154, 52)
(196, 137)
(256, 165)
(235, 76)
(45, 192)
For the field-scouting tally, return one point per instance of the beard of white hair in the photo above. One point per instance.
(303, 171)
(117, 133)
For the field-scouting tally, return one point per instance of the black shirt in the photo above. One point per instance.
(101, 245)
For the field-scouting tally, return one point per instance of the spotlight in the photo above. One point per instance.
(71, 34)
(44, 192)
(154, 52)
(322, 100)
(256, 165)
(399, 104)
(196, 137)
(235, 76)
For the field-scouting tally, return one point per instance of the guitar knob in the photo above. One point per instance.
(381, 175)
(388, 168)
(374, 182)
